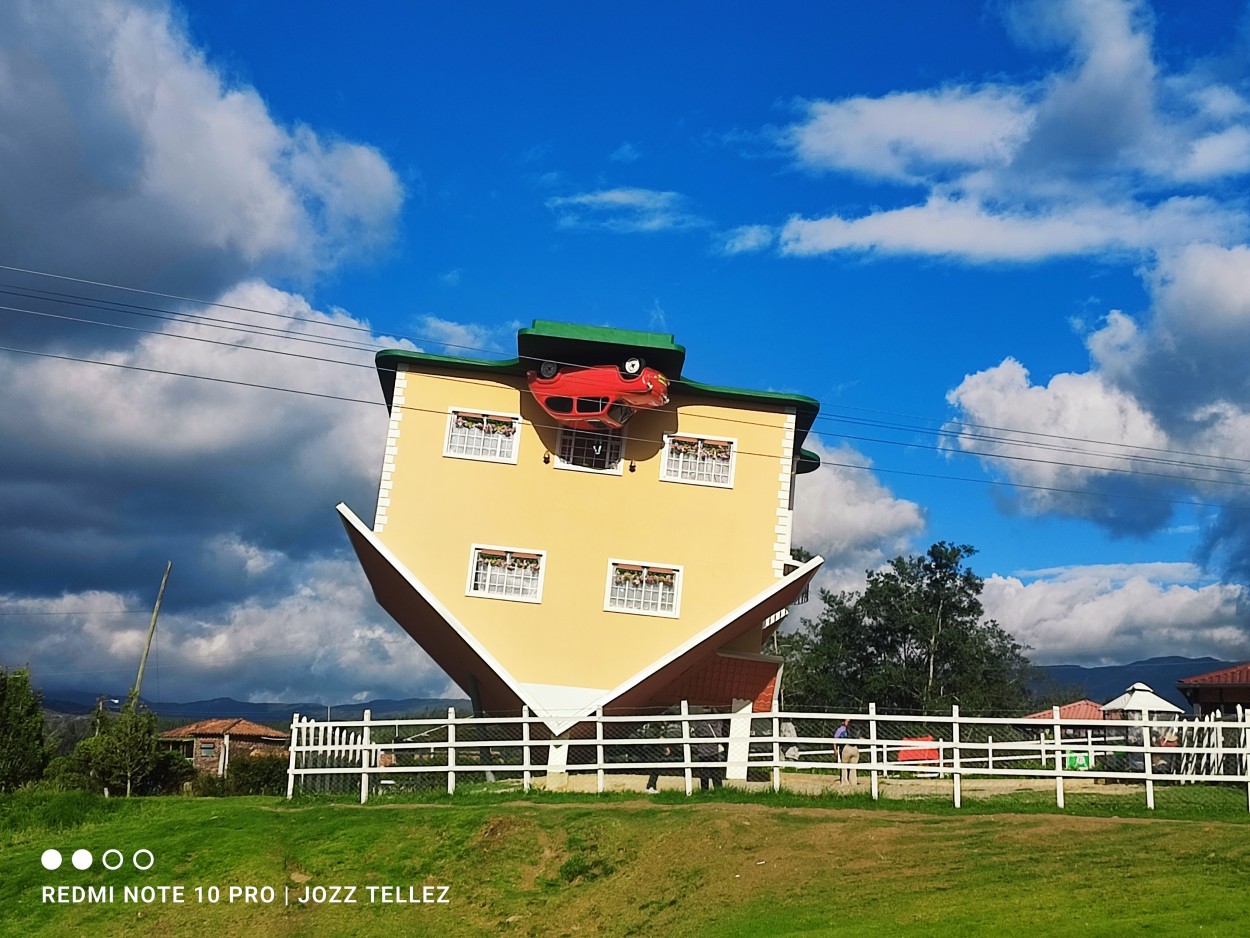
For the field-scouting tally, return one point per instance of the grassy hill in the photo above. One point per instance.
(727, 865)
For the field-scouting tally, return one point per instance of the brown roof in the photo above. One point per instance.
(1237, 674)
(1077, 710)
(220, 727)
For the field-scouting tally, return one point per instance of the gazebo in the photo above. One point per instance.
(1140, 701)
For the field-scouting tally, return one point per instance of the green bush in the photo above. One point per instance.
(206, 785)
(67, 773)
(258, 775)
(170, 772)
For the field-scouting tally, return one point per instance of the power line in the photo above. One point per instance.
(845, 436)
(960, 431)
(960, 435)
(408, 407)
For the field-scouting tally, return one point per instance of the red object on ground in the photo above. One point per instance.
(601, 397)
(917, 755)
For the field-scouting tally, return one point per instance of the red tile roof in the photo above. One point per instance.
(220, 727)
(1237, 674)
(1077, 710)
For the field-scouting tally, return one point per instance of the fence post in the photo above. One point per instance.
(525, 747)
(777, 752)
(1058, 758)
(366, 757)
(1148, 763)
(1245, 751)
(955, 776)
(451, 750)
(989, 752)
(872, 740)
(685, 735)
(599, 746)
(290, 771)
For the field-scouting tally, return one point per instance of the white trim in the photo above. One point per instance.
(487, 415)
(702, 437)
(677, 569)
(785, 477)
(382, 509)
(495, 548)
(562, 699)
(561, 464)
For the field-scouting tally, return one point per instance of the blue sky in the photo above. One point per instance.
(1005, 244)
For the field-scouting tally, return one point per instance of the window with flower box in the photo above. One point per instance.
(592, 450)
(698, 459)
(476, 435)
(506, 574)
(653, 589)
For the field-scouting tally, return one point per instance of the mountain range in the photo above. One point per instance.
(1100, 684)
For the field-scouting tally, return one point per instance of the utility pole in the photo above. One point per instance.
(156, 611)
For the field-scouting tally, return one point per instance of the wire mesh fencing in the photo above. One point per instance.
(1184, 764)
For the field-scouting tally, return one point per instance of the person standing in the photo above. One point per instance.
(841, 733)
(711, 751)
(668, 732)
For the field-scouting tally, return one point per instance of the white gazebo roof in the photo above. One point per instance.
(1141, 699)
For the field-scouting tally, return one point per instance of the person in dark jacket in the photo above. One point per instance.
(711, 751)
(668, 733)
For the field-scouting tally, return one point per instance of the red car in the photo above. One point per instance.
(599, 397)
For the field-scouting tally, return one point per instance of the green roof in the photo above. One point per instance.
(567, 343)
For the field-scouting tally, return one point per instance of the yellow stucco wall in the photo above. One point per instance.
(723, 539)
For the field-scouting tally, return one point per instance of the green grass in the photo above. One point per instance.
(725, 863)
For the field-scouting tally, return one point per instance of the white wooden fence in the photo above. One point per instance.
(394, 754)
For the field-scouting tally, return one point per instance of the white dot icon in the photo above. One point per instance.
(81, 859)
(51, 859)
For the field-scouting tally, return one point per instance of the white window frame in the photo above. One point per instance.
(508, 552)
(612, 471)
(675, 569)
(455, 412)
(699, 439)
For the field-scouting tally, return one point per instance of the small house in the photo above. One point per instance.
(1221, 691)
(210, 744)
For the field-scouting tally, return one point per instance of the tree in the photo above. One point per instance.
(23, 753)
(123, 751)
(914, 639)
(132, 739)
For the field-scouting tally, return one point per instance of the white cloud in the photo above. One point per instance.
(324, 641)
(749, 238)
(104, 415)
(905, 135)
(626, 153)
(127, 156)
(466, 339)
(968, 229)
(624, 210)
(1099, 157)
(1164, 406)
(844, 514)
(1107, 615)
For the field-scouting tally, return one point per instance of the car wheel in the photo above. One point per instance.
(548, 370)
(633, 366)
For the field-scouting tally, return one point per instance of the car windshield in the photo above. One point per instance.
(620, 413)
